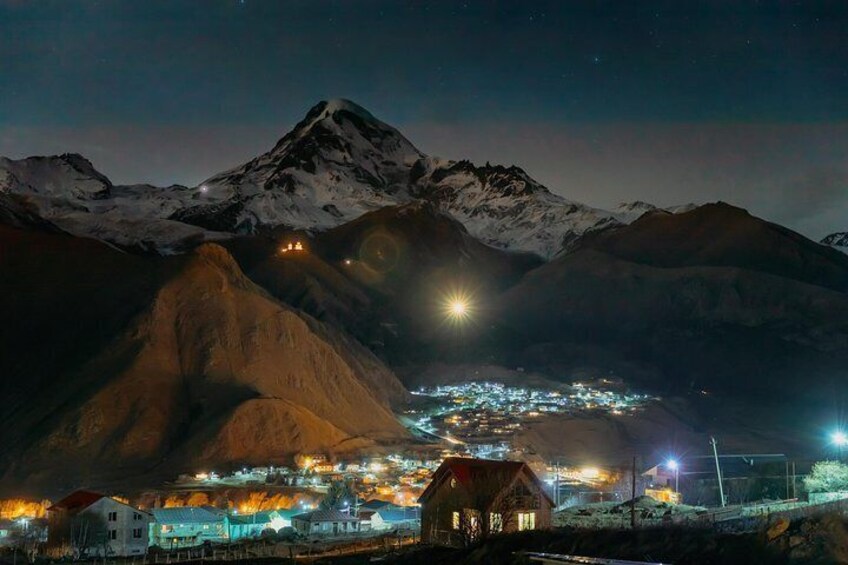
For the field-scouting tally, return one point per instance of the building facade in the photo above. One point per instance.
(187, 526)
(89, 524)
(470, 499)
(325, 523)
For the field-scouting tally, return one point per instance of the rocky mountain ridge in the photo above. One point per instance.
(338, 163)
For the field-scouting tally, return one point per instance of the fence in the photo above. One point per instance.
(270, 551)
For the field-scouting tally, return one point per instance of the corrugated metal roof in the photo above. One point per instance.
(329, 515)
(185, 515)
(399, 513)
(263, 517)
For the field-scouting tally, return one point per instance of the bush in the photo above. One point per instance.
(827, 476)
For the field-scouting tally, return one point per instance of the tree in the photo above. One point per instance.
(88, 532)
(339, 495)
(27, 540)
(827, 476)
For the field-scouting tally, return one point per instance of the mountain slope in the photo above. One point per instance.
(383, 277)
(838, 240)
(67, 191)
(183, 364)
(723, 235)
(340, 162)
(336, 164)
(711, 298)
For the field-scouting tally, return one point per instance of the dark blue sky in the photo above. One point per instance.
(602, 101)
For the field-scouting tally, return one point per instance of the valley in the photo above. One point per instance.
(299, 303)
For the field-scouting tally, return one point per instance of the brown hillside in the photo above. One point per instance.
(177, 381)
(673, 297)
(721, 235)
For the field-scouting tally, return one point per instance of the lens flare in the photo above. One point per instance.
(457, 306)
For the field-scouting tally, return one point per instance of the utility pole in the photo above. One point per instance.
(556, 484)
(633, 495)
(718, 472)
(794, 494)
(787, 479)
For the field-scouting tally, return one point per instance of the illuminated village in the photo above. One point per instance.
(359, 282)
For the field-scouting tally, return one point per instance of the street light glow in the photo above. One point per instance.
(839, 438)
(458, 308)
(671, 464)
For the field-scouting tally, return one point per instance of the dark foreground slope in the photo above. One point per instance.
(386, 277)
(711, 299)
(114, 363)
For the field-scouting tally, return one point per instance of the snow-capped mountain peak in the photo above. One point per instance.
(336, 164)
(838, 240)
(70, 177)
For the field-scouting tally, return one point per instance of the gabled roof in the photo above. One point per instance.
(399, 513)
(375, 503)
(470, 472)
(325, 515)
(186, 515)
(259, 518)
(77, 500)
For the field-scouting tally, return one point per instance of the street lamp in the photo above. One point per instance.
(674, 466)
(840, 440)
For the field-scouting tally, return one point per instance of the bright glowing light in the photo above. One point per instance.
(590, 473)
(204, 189)
(839, 438)
(672, 464)
(457, 306)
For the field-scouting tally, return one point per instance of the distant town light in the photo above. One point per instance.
(590, 472)
(204, 189)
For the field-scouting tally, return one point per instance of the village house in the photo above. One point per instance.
(187, 526)
(389, 516)
(470, 499)
(329, 522)
(90, 524)
(252, 526)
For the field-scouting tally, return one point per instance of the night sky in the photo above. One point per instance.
(602, 101)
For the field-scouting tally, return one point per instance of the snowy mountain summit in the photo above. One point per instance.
(338, 163)
(838, 240)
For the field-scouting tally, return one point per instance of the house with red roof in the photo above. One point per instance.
(471, 499)
(90, 524)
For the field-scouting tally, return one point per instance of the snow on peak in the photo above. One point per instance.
(838, 240)
(338, 163)
(335, 105)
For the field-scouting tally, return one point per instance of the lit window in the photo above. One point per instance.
(455, 520)
(526, 521)
(495, 522)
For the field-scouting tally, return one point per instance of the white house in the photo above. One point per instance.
(90, 524)
(329, 522)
